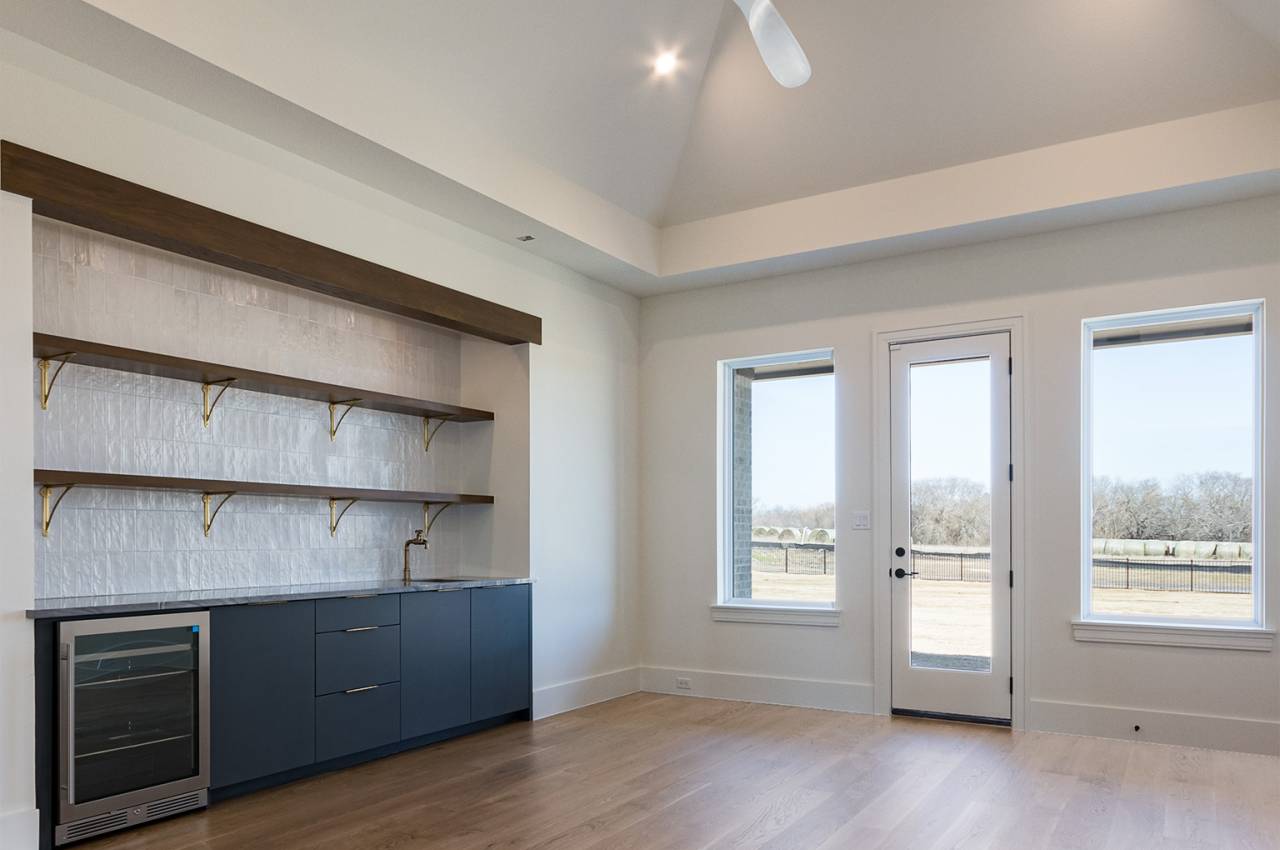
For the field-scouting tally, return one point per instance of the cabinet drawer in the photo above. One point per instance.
(346, 660)
(361, 720)
(353, 612)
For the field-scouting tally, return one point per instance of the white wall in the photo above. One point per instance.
(494, 458)
(1215, 698)
(17, 650)
(582, 381)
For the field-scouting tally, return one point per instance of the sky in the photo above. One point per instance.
(793, 441)
(1160, 411)
(951, 420)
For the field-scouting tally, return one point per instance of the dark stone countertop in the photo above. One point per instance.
(186, 600)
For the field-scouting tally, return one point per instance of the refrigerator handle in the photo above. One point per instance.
(66, 763)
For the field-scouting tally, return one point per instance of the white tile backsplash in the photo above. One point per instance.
(97, 287)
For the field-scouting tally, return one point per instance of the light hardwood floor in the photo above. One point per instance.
(652, 771)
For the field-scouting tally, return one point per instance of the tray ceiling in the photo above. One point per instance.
(548, 112)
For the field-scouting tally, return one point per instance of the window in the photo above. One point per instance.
(1172, 476)
(778, 488)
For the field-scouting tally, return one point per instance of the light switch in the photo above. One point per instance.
(861, 520)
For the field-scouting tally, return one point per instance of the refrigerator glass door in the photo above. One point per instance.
(134, 708)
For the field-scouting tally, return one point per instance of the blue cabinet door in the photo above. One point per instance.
(435, 661)
(261, 689)
(500, 644)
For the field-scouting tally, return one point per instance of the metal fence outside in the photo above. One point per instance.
(951, 566)
(1202, 576)
(1169, 574)
(807, 559)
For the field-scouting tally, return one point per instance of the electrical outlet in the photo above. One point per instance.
(682, 683)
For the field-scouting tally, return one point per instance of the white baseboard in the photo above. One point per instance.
(1163, 727)
(1215, 732)
(854, 697)
(20, 830)
(578, 693)
(778, 690)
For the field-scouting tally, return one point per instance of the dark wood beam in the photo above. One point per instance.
(72, 193)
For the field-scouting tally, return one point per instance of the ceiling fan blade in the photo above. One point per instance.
(778, 47)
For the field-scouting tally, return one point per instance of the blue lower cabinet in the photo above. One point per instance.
(360, 719)
(435, 661)
(261, 690)
(500, 651)
(300, 683)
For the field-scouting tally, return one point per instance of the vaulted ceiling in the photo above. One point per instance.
(916, 85)
(548, 112)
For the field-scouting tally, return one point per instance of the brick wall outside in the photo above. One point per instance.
(742, 380)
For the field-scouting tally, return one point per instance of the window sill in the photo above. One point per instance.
(786, 615)
(1160, 634)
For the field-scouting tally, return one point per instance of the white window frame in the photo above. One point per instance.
(728, 608)
(1167, 631)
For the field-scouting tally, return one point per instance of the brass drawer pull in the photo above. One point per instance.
(358, 690)
(361, 629)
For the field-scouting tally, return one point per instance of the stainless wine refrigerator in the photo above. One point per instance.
(134, 721)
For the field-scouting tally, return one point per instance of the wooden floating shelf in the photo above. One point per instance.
(85, 353)
(64, 480)
(64, 477)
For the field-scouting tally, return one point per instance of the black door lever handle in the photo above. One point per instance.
(901, 573)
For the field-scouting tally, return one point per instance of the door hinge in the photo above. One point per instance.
(1011, 578)
(1011, 684)
(1010, 365)
(1010, 472)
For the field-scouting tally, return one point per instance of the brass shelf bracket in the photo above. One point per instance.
(429, 519)
(47, 380)
(205, 389)
(428, 432)
(210, 516)
(335, 515)
(335, 421)
(47, 509)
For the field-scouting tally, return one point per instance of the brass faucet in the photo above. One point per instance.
(418, 540)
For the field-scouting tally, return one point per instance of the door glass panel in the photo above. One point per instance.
(135, 710)
(950, 458)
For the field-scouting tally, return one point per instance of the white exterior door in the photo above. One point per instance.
(950, 566)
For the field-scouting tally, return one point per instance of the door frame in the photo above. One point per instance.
(881, 533)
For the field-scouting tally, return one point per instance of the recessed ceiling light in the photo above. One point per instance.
(525, 238)
(666, 63)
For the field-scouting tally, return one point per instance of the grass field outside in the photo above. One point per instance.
(953, 617)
